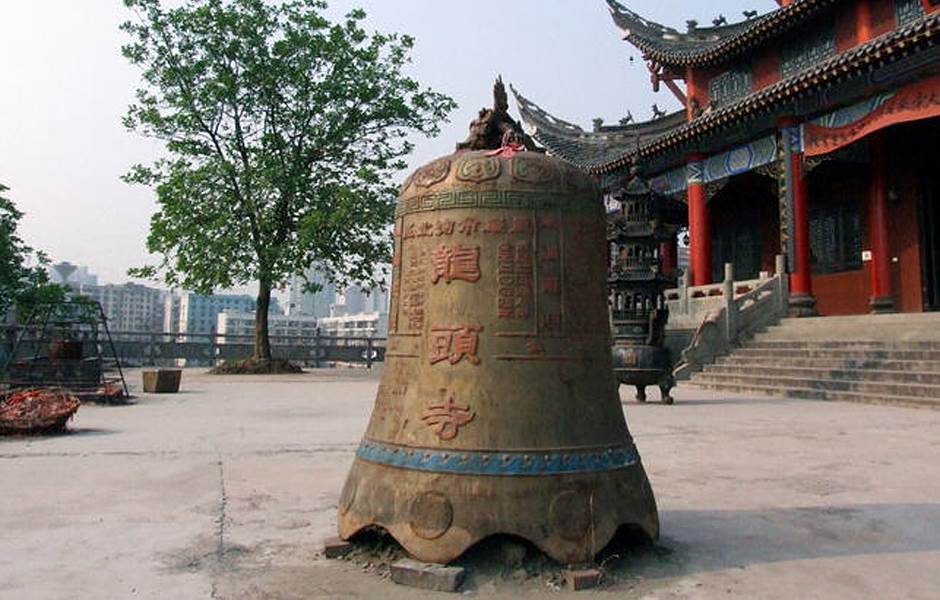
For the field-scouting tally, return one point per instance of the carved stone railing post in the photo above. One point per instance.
(728, 292)
(684, 294)
(783, 284)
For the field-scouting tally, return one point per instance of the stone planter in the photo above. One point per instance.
(162, 381)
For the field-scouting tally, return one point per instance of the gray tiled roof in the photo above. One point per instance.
(588, 149)
(704, 45)
(612, 148)
(919, 36)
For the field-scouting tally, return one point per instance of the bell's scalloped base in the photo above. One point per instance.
(569, 516)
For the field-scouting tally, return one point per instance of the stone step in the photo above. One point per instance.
(841, 353)
(815, 394)
(861, 387)
(894, 327)
(921, 366)
(871, 375)
(858, 344)
(887, 359)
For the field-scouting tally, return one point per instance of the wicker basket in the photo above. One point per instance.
(37, 410)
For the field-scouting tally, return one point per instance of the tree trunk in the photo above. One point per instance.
(262, 349)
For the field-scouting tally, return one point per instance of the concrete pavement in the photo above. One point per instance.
(227, 490)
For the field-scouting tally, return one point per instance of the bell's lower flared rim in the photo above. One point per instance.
(437, 516)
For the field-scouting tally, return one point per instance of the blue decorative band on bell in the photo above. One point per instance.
(476, 462)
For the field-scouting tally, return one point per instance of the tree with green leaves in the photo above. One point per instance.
(24, 282)
(283, 132)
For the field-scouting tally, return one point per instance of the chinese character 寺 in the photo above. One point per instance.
(447, 418)
(455, 344)
(455, 262)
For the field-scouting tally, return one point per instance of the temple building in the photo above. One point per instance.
(808, 132)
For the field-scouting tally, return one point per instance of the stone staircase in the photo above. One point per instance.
(884, 359)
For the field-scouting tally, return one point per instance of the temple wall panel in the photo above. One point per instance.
(846, 34)
(846, 290)
(766, 69)
(905, 245)
(845, 293)
(703, 78)
(882, 16)
(903, 227)
(849, 291)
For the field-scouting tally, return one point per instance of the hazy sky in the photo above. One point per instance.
(64, 87)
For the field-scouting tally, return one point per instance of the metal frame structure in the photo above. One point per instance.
(37, 358)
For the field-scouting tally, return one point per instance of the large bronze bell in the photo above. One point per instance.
(498, 411)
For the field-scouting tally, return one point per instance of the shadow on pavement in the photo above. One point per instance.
(697, 541)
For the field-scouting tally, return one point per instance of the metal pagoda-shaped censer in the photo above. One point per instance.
(635, 234)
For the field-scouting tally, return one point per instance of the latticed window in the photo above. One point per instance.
(908, 10)
(740, 246)
(730, 85)
(808, 51)
(835, 238)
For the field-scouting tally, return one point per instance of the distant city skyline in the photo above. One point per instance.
(63, 148)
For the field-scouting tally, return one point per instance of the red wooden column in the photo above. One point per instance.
(691, 93)
(802, 301)
(700, 235)
(882, 297)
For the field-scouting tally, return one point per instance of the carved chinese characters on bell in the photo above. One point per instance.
(468, 226)
(550, 277)
(455, 262)
(455, 344)
(394, 301)
(514, 281)
(413, 292)
(447, 417)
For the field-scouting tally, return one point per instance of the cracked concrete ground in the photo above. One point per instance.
(227, 490)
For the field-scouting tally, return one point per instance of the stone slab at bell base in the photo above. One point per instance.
(427, 576)
(336, 548)
(583, 579)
